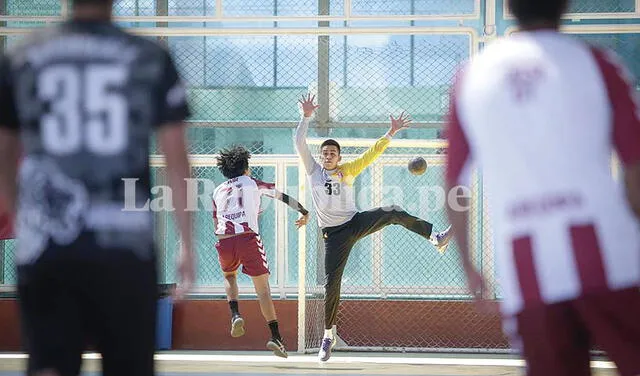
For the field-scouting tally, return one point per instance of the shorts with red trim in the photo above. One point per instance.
(556, 339)
(246, 250)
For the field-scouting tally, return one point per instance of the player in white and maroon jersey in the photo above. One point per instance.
(236, 205)
(540, 113)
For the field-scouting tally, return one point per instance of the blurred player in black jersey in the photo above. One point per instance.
(79, 103)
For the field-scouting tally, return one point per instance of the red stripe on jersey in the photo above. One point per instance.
(245, 226)
(240, 202)
(526, 269)
(230, 228)
(215, 215)
(458, 152)
(588, 258)
(264, 185)
(626, 122)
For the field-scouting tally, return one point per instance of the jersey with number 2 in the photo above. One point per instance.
(236, 204)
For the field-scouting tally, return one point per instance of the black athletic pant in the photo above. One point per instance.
(83, 294)
(339, 240)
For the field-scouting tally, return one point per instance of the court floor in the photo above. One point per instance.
(263, 364)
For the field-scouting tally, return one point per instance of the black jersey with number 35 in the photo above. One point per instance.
(86, 97)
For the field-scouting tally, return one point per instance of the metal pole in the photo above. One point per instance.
(322, 116)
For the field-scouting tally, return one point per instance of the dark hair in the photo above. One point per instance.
(532, 11)
(233, 162)
(331, 142)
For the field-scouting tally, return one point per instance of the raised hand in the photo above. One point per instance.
(307, 105)
(397, 124)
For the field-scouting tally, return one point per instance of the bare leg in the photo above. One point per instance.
(263, 290)
(231, 285)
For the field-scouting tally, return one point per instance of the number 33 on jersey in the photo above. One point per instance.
(332, 188)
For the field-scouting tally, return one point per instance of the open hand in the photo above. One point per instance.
(303, 220)
(399, 123)
(307, 105)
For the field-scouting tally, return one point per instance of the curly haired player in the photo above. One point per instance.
(236, 209)
(342, 225)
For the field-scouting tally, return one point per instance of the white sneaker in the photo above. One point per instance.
(277, 347)
(325, 349)
(237, 326)
(442, 239)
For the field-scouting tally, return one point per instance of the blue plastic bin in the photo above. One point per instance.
(164, 324)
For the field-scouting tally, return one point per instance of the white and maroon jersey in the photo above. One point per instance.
(540, 114)
(236, 204)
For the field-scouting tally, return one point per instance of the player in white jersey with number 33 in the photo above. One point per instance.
(341, 223)
(236, 210)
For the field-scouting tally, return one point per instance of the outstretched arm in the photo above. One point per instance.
(269, 190)
(355, 167)
(300, 138)
(295, 205)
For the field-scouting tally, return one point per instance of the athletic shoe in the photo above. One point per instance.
(237, 326)
(325, 349)
(277, 347)
(442, 240)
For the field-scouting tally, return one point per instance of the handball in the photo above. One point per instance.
(417, 166)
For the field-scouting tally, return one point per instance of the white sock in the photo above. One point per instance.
(328, 333)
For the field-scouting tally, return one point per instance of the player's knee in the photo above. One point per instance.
(331, 281)
(261, 284)
(230, 276)
(263, 293)
(394, 212)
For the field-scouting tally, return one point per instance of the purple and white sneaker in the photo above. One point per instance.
(325, 349)
(441, 239)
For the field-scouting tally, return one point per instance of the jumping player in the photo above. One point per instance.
(540, 113)
(236, 209)
(342, 225)
(80, 101)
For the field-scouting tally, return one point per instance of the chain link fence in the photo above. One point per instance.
(419, 7)
(369, 76)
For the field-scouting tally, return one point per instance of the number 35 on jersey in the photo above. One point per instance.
(88, 109)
